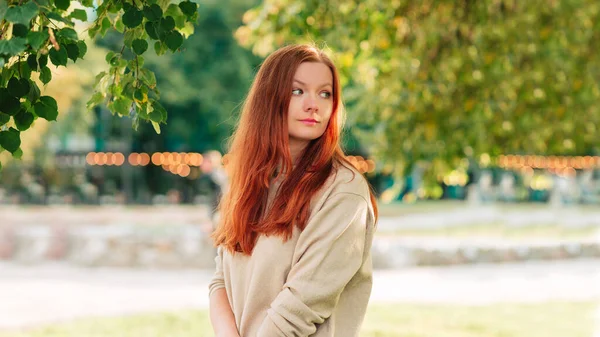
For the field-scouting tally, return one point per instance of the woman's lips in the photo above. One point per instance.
(309, 121)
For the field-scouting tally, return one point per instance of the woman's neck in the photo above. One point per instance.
(296, 149)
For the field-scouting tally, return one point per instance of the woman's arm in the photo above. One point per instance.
(331, 250)
(221, 315)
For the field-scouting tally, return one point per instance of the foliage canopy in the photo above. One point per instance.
(442, 80)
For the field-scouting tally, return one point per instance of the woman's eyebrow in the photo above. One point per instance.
(322, 85)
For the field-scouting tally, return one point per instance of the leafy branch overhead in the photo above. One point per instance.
(37, 33)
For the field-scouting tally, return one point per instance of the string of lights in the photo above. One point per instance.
(181, 162)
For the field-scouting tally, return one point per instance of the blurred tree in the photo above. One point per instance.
(202, 87)
(442, 80)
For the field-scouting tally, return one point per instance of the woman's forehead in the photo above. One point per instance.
(313, 73)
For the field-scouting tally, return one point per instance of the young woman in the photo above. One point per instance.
(297, 221)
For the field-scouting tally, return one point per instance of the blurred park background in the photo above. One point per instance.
(476, 122)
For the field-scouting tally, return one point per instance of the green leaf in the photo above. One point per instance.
(174, 40)
(58, 57)
(96, 99)
(128, 37)
(121, 106)
(20, 30)
(140, 61)
(139, 46)
(58, 17)
(37, 39)
(115, 60)
(138, 95)
(23, 69)
(49, 101)
(9, 104)
(99, 77)
(43, 60)
(93, 30)
(17, 154)
(109, 56)
(167, 23)
(79, 14)
(72, 51)
(148, 77)
(153, 12)
(105, 26)
(22, 14)
(119, 26)
(67, 34)
(128, 89)
(34, 93)
(18, 87)
(82, 48)
(158, 107)
(151, 29)
(132, 18)
(45, 75)
(156, 127)
(142, 111)
(115, 89)
(32, 62)
(13, 46)
(155, 116)
(10, 139)
(4, 118)
(175, 12)
(188, 8)
(46, 108)
(159, 48)
(62, 4)
(3, 9)
(115, 6)
(23, 119)
(87, 3)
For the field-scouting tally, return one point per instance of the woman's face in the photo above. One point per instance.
(311, 103)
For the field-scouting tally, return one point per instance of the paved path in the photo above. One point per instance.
(52, 293)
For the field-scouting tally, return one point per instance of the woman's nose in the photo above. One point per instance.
(310, 104)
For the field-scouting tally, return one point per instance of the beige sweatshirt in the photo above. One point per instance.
(317, 283)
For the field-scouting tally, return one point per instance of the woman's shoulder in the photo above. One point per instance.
(347, 179)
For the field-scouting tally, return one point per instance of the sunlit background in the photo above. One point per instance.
(476, 123)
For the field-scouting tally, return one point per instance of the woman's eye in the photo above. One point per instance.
(297, 92)
(325, 94)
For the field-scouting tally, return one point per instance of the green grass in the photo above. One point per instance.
(501, 320)
(435, 206)
(499, 230)
(390, 320)
(399, 209)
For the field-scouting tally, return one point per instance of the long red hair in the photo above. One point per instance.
(259, 150)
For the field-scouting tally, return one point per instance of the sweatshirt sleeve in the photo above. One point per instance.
(217, 282)
(329, 252)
